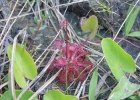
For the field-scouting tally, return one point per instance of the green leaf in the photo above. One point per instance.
(123, 90)
(130, 8)
(6, 79)
(126, 23)
(134, 97)
(42, 27)
(118, 60)
(24, 66)
(37, 38)
(46, 16)
(134, 34)
(26, 95)
(37, 20)
(39, 35)
(42, 15)
(131, 21)
(32, 29)
(91, 25)
(99, 93)
(92, 35)
(93, 84)
(57, 95)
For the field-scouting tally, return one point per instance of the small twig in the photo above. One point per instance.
(6, 34)
(128, 42)
(66, 39)
(4, 84)
(11, 69)
(62, 24)
(4, 29)
(102, 81)
(81, 88)
(136, 59)
(48, 47)
(123, 40)
(45, 85)
(77, 89)
(66, 8)
(4, 57)
(31, 6)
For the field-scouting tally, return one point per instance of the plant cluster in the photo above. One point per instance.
(73, 61)
(74, 64)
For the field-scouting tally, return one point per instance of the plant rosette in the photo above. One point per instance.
(73, 61)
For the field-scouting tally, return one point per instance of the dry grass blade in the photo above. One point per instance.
(48, 47)
(12, 65)
(81, 88)
(45, 85)
(12, 22)
(7, 23)
(4, 84)
(78, 86)
(137, 57)
(45, 53)
(101, 82)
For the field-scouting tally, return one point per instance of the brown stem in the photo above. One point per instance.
(66, 39)
(128, 42)
(123, 40)
(34, 36)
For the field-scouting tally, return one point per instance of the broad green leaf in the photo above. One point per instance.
(118, 60)
(90, 25)
(134, 34)
(93, 84)
(131, 20)
(24, 66)
(123, 90)
(126, 23)
(26, 95)
(57, 95)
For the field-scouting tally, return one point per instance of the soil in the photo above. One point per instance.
(109, 24)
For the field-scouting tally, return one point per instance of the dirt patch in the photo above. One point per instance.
(110, 14)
